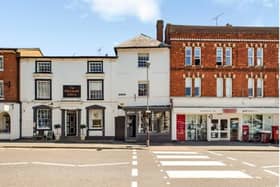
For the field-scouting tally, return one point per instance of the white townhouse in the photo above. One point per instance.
(136, 86)
(70, 91)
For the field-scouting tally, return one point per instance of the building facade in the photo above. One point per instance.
(223, 81)
(143, 90)
(70, 92)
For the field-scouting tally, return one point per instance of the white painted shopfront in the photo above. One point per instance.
(223, 118)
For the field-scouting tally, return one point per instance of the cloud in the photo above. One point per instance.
(114, 10)
(264, 3)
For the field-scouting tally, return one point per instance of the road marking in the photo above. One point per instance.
(214, 153)
(161, 170)
(103, 164)
(134, 163)
(270, 167)
(182, 156)
(191, 163)
(134, 153)
(167, 182)
(207, 174)
(174, 152)
(13, 163)
(249, 164)
(134, 184)
(134, 157)
(257, 177)
(230, 158)
(272, 173)
(53, 164)
(134, 172)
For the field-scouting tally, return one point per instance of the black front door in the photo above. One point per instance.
(131, 130)
(71, 123)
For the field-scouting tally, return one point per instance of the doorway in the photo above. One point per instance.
(131, 126)
(71, 122)
(234, 125)
(219, 129)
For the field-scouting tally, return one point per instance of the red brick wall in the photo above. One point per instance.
(239, 66)
(10, 74)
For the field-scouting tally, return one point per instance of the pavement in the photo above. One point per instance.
(159, 165)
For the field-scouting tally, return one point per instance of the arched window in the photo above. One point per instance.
(5, 122)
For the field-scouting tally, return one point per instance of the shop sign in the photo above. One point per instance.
(72, 91)
(229, 110)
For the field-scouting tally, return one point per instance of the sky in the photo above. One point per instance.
(94, 27)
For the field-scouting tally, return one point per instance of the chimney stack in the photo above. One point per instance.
(160, 30)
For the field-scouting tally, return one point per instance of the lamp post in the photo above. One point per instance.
(148, 63)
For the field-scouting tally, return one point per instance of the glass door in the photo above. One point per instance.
(214, 129)
(224, 129)
(71, 123)
(219, 129)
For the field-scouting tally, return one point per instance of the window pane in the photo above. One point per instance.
(43, 67)
(259, 56)
(260, 87)
(197, 85)
(219, 87)
(142, 59)
(1, 62)
(96, 119)
(188, 56)
(228, 56)
(43, 119)
(95, 67)
(219, 56)
(228, 87)
(142, 89)
(197, 56)
(43, 89)
(95, 89)
(188, 86)
(1, 89)
(250, 56)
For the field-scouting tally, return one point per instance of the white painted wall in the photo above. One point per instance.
(126, 75)
(65, 72)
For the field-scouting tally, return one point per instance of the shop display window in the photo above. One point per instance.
(196, 127)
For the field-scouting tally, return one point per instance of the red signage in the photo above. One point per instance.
(181, 127)
(229, 110)
(245, 133)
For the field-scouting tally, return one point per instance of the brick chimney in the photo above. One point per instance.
(160, 30)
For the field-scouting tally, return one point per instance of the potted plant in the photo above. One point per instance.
(57, 135)
(83, 136)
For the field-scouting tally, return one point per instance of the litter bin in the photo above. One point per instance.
(265, 136)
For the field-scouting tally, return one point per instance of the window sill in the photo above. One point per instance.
(95, 75)
(95, 99)
(97, 129)
(46, 75)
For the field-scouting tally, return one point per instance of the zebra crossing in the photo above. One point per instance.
(194, 165)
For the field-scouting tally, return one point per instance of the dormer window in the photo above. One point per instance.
(43, 67)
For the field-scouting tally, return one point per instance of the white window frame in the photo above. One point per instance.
(41, 64)
(228, 87)
(2, 62)
(197, 84)
(220, 87)
(40, 95)
(219, 54)
(228, 56)
(197, 57)
(95, 67)
(259, 86)
(142, 58)
(188, 84)
(98, 88)
(188, 56)
(1, 89)
(251, 56)
(260, 57)
(251, 83)
(47, 114)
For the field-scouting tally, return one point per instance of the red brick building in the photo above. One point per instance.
(10, 107)
(223, 81)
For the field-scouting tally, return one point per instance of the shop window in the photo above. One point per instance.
(255, 123)
(214, 128)
(196, 127)
(250, 56)
(188, 56)
(5, 123)
(142, 59)
(96, 119)
(43, 118)
(268, 122)
(259, 56)
(197, 56)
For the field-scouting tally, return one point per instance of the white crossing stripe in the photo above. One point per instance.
(271, 172)
(134, 184)
(230, 158)
(134, 172)
(207, 174)
(249, 164)
(174, 152)
(191, 163)
(271, 166)
(214, 153)
(134, 157)
(134, 163)
(13, 163)
(103, 164)
(182, 157)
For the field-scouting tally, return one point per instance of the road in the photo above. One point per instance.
(156, 166)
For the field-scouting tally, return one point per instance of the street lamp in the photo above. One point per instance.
(148, 63)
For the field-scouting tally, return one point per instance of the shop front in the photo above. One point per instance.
(138, 122)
